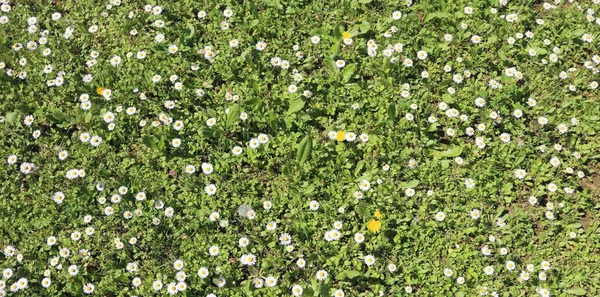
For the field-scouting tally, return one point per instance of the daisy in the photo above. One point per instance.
(213, 250)
(210, 189)
(115, 61)
(270, 281)
(520, 173)
(321, 275)
(203, 272)
(475, 214)
(440, 216)
(260, 46)
(88, 288)
(469, 183)
(157, 285)
(297, 290)
(236, 150)
(359, 237)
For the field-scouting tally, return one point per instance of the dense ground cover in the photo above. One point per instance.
(299, 148)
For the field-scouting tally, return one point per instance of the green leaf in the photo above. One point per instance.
(330, 63)
(352, 274)
(578, 292)
(348, 72)
(335, 48)
(453, 152)
(233, 115)
(190, 29)
(365, 26)
(296, 104)
(304, 149)
(286, 169)
(337, 32)
(448, 98)
(12, 117)
(210, 132)
(578, 33)
(502, 56)
(58, 117)
(445, 164)
(469, 230)
(253, 23)
(391, 111)
(252, 101)
(88, 117)
(150, 141)
(439, 15)
(410, 184)
(433, 127)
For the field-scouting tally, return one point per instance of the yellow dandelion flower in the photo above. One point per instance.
(100, 90)
(341, 135)
(374, 226)
(377, 214)
(346, 35)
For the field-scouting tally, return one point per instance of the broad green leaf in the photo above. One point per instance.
(150, 141)
(365, 26)
(285, 169)
(439, 15)
(391, 111)
(352, 274)
(296, 104)
(578, 292)
(453, 152)
(58, 117)
(304, 149)
(578, 33)
(12, 117)
(448, 98)
(335, 48)
(445, 164)
(410, 184)
(211, 133)
(233, 115)
(191, 30)
(502, 56)
(252, 100)
(348, 72)
(331, 64)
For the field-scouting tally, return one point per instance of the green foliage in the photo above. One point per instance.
(148, 159)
